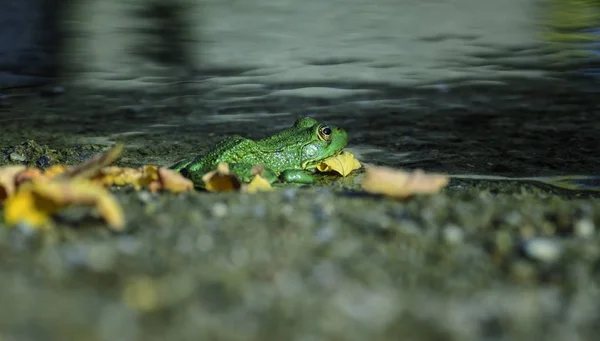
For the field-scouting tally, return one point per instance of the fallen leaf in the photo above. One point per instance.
(118, 176)
(7, 180)
(401, 184)
(93, 166)
(221, 179)
(28, 208)
(171, 181)
(258, 183)
(343, 163)
(29, 174)
(36, 201)
(55, 170)
(149, 174)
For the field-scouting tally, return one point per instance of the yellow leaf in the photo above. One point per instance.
(118, 176)
(401, 184)
(55, 170)
(221, 180)
(36, 201)
(26, 207)
(257, 184)
(343, 163)
(149, 174)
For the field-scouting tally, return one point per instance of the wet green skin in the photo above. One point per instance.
(290, 155)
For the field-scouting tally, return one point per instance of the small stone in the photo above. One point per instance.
(287, 210)
(14, 156)
(259, 211)
(219, 210)
(100, 258)
(584, 228)
(144, 196)
(205, 242)
(543, 249)
(453, 234)
(513, 218)
(324, 235)
(289, 194)
(128, 245)
(43, 161)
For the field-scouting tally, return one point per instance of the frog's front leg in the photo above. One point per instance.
(297, 176)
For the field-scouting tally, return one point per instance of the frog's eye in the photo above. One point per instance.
(325, 133)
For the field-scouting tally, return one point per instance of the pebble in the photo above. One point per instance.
(101, 258)
(324, 235)
(14, 156)
(144, 196)
(219, 210)
(205, 242)
(289, 194)
(543, 249)
(453, 234)
(584, 228)
(259, 210)
(128, 245)
(287, 210)
(43, 161)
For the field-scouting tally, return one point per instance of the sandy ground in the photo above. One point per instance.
(353, 41)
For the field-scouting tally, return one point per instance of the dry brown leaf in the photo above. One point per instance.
(343, 163)
(93, 166)
(221, 179)
(29, 174)
(36, 201)
(7, 180)
(401, 184)
(171, 181)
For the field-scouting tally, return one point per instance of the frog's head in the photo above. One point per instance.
(325, 141)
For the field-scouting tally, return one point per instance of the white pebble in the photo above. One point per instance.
(219, 210)
(584, 228)
(542, 249)
(453, 234)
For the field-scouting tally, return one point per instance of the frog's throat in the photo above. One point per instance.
(311, 164)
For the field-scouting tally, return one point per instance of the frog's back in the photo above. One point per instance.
(231, 149)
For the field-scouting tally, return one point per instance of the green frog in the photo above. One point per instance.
(290, 155)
